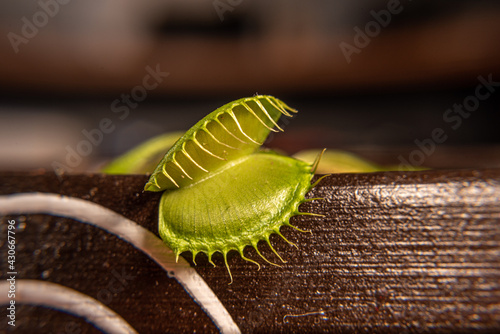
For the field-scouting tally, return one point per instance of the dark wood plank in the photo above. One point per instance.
(415, 251)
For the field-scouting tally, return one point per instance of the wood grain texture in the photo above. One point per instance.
(395, 251)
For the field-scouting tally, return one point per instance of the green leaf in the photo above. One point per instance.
(143, 158)
(222, 192)
(336, 161)
(234, 130)
(245, 203)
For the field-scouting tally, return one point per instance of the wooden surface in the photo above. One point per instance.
(399, 251)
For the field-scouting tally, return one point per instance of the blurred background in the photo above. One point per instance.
(370, 77)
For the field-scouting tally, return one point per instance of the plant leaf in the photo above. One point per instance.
(234, 130)
(337, 161)
(237, 207)
(221, 192)
(144, 157)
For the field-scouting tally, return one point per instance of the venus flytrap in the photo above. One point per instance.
(221, 191)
